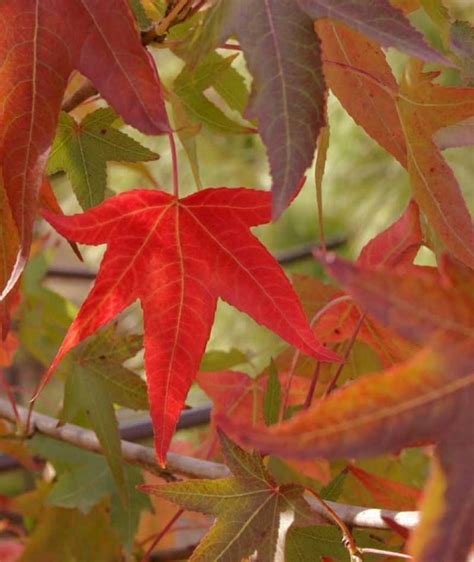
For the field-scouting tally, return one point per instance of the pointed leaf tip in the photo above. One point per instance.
(229, 263)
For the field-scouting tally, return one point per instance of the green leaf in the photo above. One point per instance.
(143, 20)
(187, 129)
(309, 544)
(83, 149)
(333, 490)
(230, 85)
(84, 479)
(83, 486)
(95, 380)
(272, 397)
(90, 394)
(248, 507)
(190, 85)
(222, 360)
(102, 357)
(125, 519)
(208, 34)
(66, 535)
(44, 319)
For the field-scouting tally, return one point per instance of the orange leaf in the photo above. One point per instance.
(428, 398)
(424, 108)
(357, 72)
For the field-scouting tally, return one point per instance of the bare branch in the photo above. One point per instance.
(194, 468)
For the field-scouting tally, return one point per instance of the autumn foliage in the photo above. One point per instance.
(370, 402)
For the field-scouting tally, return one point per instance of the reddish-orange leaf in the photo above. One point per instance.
(42, 41)
(357, 72)
(178, 257)
(8, 348)
(396, 246)
(412, 403)
(419, 307)
(8, 251)
(428, 398)
(240, 396)
(425, 108)
(404, 121)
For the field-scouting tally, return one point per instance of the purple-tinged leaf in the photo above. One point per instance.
(288, 93)
(379, 20)
(459, 134)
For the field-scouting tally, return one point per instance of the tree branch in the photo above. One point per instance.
(194, 468)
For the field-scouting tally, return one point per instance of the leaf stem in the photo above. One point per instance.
(161, 534)
(297, 353)
(168, 20)
(174, 157)
(323, 145)
(11, 398)
(350, 345)
(312, 386)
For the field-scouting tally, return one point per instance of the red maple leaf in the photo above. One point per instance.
(178, 256)
(42, 41)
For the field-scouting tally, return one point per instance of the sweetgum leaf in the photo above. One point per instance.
(309, 544)
(178, 256)
(357, 72)
(95, 380)
(84, 480)
(248, 507)
(428, 398)
(377, 19)
(83, 150)
(425, 108)
(288, 90)
(189, 86)
(45, 42)
(406, 120)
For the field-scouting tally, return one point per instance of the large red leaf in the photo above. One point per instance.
(178, 257)
(428, 398)
(41, 42)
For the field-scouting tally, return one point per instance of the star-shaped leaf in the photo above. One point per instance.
(406, 120)
(42, 42)
(427, 399)
(288, 91)
(248, 506)
(178, 256)
(96, 379)
(83, 150)
(283, 56)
